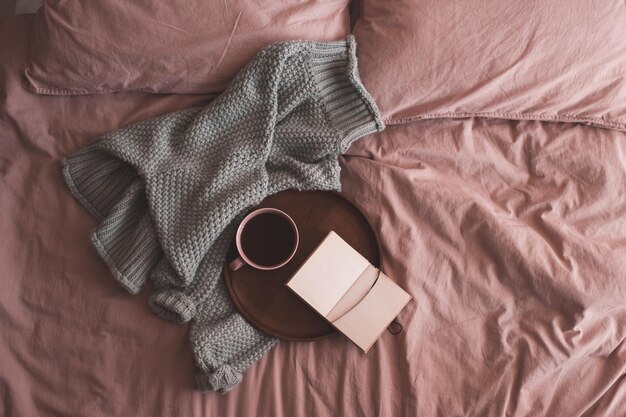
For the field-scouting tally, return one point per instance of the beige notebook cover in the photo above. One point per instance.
(352, 294)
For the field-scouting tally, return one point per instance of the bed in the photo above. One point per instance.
(500, 210)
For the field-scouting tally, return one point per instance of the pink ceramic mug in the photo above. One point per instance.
(266, 239)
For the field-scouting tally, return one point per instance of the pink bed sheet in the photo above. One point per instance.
(509, 235)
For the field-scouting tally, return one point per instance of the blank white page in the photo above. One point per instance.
(328, 273)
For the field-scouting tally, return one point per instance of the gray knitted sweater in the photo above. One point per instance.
(169, 192)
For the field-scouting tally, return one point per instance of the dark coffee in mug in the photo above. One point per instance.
(268, 239)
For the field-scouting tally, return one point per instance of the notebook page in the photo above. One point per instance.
(328, 273)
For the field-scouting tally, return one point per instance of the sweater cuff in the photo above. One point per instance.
(350, 108)
(222, 379)
(173, 305)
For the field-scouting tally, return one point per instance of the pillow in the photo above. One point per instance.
(531, 59)
(186, 46)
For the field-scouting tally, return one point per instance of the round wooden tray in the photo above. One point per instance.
(263, 298)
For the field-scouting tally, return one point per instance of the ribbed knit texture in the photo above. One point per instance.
(170, 192)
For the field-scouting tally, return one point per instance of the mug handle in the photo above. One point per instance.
(237, 263)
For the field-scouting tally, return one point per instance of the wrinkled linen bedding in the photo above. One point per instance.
(510, 236)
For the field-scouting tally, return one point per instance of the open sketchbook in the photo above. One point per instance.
(352, 294)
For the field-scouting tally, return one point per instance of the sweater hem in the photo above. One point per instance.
(71, 184)
(130, 286)
(118, 249)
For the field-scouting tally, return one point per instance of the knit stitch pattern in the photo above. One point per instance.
(169, 192)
